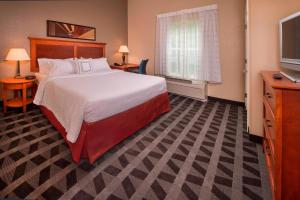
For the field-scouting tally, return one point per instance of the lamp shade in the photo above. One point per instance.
(124, 49)
(17, 54)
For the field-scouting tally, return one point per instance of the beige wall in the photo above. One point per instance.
(141, 38)
(264, 16)
(20, 19)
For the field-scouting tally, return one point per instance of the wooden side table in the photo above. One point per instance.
(17, 85)
(126, 67)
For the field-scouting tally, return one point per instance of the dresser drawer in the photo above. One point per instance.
(270, 96)
(270, 165)
(270, 143)
(269, 121)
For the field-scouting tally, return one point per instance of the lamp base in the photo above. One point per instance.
(18, 76)
(123, 59)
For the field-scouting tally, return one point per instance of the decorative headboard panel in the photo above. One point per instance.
(61, 49)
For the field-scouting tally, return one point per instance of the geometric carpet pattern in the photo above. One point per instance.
(196, 151)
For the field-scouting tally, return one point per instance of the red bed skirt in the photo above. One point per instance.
(98, 137)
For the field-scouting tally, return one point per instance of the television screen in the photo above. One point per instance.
(291, 39)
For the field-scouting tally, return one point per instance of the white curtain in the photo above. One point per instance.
(187, 45)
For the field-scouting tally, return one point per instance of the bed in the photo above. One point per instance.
(94, 112)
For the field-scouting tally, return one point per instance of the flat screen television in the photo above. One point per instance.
(290, 45)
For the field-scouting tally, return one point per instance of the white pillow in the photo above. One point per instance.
(84, 66)
(62, 67)
(100, 65)
(45, 65)
(95, 65)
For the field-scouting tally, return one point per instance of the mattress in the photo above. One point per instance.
(93, 97)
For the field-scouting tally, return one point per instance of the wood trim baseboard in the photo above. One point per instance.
(238, 103)
(255, 138)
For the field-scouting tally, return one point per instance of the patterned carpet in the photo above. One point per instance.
(196, 151)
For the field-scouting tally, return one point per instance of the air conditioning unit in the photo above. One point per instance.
(194, 89)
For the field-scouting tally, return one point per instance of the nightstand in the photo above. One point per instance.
(126, 67)
(17, 85)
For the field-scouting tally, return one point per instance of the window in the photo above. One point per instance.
(182, 50)
(187, 45)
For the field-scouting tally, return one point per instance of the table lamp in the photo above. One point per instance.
(123, 49)
(17, 54)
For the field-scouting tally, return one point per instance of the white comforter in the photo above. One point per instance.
(93, 97)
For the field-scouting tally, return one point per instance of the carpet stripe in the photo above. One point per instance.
(181, 177)
(22, 126)
(238, 159)
(54, 179)
(7, 141)
(21, 120)
(162, 163)
(11, 167)
(31, 173)
(14, 115)
(18, 148)
(205, 192)
(265, 181)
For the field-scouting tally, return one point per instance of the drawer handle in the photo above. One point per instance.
(268, 151)
(269, 95)
(268, 122)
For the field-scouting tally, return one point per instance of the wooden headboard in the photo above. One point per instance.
(61, 49)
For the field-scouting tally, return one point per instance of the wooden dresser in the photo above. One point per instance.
(282, 135)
